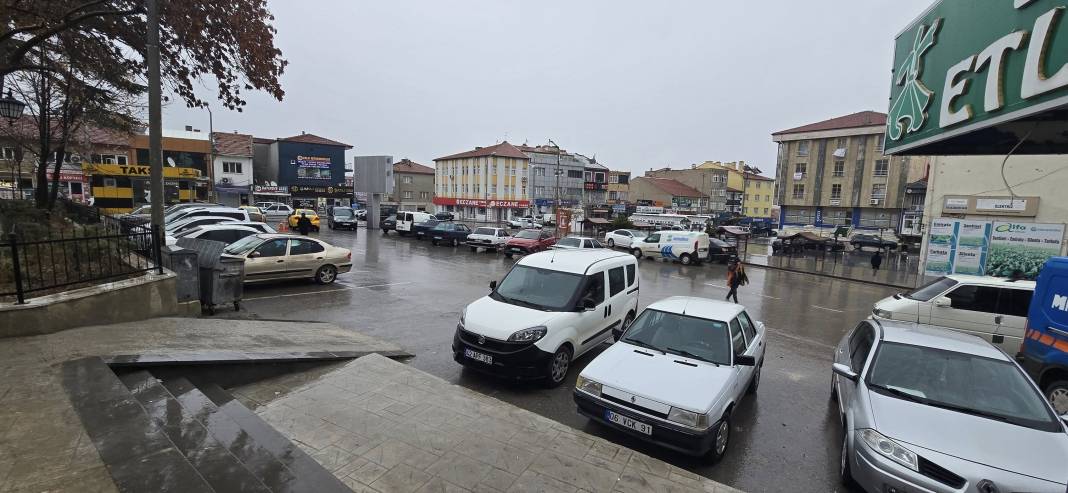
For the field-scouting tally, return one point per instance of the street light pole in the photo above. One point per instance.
(556, 191)
(155, 115)
(214, 195)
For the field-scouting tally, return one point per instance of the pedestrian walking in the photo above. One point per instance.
(735, 278)
(304, 224)
(876, 261)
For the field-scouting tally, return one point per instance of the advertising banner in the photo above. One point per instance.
(1022, 248)
(998, 249)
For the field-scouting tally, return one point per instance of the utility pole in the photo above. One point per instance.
(213, 195)
(155, 123)
(556, 191)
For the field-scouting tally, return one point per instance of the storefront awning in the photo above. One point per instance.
(597, 220)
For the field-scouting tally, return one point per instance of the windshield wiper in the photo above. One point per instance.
(899, 393)
(516, 301)
(644, 345)
(968, 410)
(690, 355)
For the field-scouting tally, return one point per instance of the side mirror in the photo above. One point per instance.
(744, 360)
(1064, 417)
(254, 255)
(589, 304)
(493, 285)
(943, 302)
(845, 371)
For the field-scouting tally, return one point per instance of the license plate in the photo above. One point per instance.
(477, 356)
(437, 237)
(517, 250)
(626, 422)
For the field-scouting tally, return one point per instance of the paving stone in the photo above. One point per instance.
(532, 482)
(535, 441)
(438, 485)
(333, 458)
(577, 473)
(571, 444)
(356, 444)
(633, 481)
(353, 465)
(610, 452)
(401, 479)
(460, 469)
(322, 436)
(356, 486)
(392, 452)
(501, 455)
(499, 479)
(646, 464)
(368, 473)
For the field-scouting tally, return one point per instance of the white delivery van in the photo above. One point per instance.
(407, 219)
(992, 308)
(551, 308)
(688, 247)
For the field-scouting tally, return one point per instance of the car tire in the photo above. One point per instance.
(637, 252)
(434, 242)
(508, 255)
(1057, 393)
(719, 448)
(559, 364)
(611, 243)
(845, 471)
(685, 259)
(455, 242)
(474, 249)
(326, 274)
(834, 388)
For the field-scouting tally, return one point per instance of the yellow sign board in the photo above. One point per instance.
(138, 170)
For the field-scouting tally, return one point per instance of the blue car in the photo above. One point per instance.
(1044, 352)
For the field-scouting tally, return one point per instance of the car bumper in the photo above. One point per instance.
(344, 268)
(517, 249)
(674, 437)
(523, 362)
(483, 244)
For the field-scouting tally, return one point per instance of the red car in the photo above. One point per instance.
(529, 241)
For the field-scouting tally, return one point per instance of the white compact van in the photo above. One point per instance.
(688, 247)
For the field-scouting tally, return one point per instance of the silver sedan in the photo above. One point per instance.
(927, 409)
(271, 257)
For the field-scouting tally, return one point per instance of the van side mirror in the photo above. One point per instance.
(845, 371)
(493, 285)
(589, 304)
(943, 302)
(744, 360)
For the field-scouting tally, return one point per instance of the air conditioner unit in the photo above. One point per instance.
(876, 201)
(225, 181)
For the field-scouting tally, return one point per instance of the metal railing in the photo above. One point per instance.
(104, 248)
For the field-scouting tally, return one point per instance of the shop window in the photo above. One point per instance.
(7, 153)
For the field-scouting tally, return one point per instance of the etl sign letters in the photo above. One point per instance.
(966, 65)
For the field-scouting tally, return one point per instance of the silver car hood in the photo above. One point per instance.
(1039, 454)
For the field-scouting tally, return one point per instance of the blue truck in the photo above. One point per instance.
(1044, 352)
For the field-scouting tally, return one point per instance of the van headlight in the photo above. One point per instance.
(889, 448)
(589, 386)
(532, 334)
(879, 312)
(688, 418)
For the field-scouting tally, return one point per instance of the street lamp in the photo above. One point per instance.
(11, 108)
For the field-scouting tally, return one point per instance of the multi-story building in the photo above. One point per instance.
(484, 184)
(596, 183)
(232, 162)
(413, 186)
(618, 187)
(306, 171)
(543, 177)
(833, 173)
(759, 196)
(747, 193)
(669, 194)
(710, 182)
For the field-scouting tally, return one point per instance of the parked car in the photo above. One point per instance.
(529, 241)
(576, 242)
(928, 409)
(445, 216)
(488, 238)
(993, 308)
(676, 374)
(688, 247)
(187, 212)
(1044, 352)
(264, 205)
(254, 213)
(194, 221)
(861, 240)
(388, 224)
(420, 230)
(623, 238)
(524, 223)
(271, 257)
(406, 220)
(449, 233)
(226, 233)
(311, 214)
(550, 308)
(361, 214)
(277, 212)
(342, 217)
(721, 250)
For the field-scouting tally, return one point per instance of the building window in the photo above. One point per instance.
(767, 198)
(836, 191)
(842, 142)
(574, 173)
(523, 190)
(799, 190)
(407, 180)
(882, 167)
(878, 191)
(407, 194)
(746, 196)
(802, 148)
(478, 188)
(879, 144)
(765, 210)
(424, 195)
(839, 168)
(800, 168)
(493, 189)
(7, 153)
(231, 167)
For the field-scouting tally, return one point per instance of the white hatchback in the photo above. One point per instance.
(623, 238)
(676, 374)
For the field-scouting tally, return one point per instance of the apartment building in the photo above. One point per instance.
(834, 173)
(232, 162)
(413, 186)
(747, 192)
(484, 184)
(710, 182)
(618, 187)
(669, 194)
(759, 196)
(596, 183)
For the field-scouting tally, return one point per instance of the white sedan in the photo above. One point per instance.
(623, 238)
(675, 375)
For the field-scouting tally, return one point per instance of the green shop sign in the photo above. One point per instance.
(981, 77)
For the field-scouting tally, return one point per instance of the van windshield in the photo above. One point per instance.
(931, 289)
(540, 289)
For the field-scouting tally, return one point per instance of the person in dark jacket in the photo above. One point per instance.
(876, 261)
(304, 224)
(735, 278)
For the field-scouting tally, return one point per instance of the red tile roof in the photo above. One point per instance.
(671, 187)
(861, 119)
(315, 139)
(408, 166)
(26, 128)
(234, 144)
(504, 149)
(261, 140)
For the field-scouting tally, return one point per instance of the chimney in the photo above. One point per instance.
(302, 132)
(478, 148)
(188, 128)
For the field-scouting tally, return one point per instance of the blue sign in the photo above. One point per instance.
(619, 208)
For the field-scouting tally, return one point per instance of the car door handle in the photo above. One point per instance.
(279, 261)
(318, 258)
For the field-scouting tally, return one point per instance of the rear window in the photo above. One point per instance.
(484, 231)
(568, 242)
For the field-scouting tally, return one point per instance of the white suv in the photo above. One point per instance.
(492, 239)
(549, 309)
(675, 375)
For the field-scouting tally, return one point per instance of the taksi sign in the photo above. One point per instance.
(969, 67)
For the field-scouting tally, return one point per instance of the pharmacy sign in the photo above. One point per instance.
(980, 77)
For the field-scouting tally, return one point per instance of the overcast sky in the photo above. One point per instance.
(640, 84)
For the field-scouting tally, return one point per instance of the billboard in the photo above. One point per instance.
(990, 248)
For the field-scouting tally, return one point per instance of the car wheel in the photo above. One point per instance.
(434, 242)
(685, 259)
(856, 246)
(611, 243)
(474, 249)
(834, 388)
(558, 366)
(755, 382)
(332, 226)
(507, 255)
(721, 439)
(326, 274)
(1057, 393)
(455, 242)
(637, 252)
(845, 472)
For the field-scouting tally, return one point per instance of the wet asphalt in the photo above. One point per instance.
(787, 438)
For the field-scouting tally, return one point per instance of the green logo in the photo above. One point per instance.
(909, 111)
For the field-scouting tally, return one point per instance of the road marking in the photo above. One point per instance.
(716, 285)
(673, 276)
(742, 293)
(763, 296)
(346, 288)
(828, 309)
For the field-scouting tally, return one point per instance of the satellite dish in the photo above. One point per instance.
(170, 162)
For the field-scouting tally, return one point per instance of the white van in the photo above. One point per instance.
(407, 219)
(551, 308)
(688, 247)
(992, 308)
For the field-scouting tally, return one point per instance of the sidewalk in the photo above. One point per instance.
(380, 425)
(851, 265)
